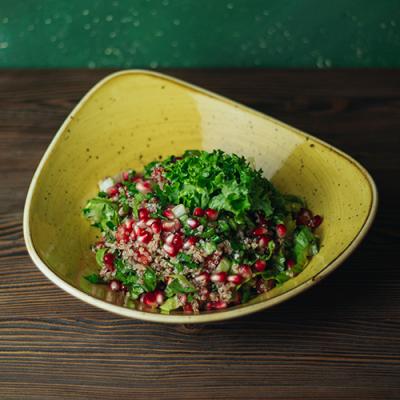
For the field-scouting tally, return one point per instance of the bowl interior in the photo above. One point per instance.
(134, 117)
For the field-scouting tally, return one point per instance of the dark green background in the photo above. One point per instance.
(200, 33)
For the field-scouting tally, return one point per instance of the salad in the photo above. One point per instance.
(199, 232)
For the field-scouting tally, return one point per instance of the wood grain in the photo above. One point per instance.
(319, 345)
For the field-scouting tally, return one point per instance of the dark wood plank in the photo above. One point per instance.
(340, 340)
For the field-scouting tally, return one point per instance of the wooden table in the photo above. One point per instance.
(339, 340)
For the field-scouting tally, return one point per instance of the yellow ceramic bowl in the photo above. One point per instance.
(133, 117)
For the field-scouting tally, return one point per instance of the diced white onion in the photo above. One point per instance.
(179, 210)
(106, 184)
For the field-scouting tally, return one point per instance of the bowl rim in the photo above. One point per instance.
(205, 317)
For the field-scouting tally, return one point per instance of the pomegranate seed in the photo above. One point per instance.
(245, 271)
(169, 226)
(124, 288)
(139, 231)
(212, 215)
(236, 279)
(112, 191)
(115, 285)
(260, 231)
(177, 241)
(128, 225)
(132, 235)
(260, 265)
(125, 175)
(290, 263)
(159, 296)
(281, 230)
(172, 251)
(144, 187)
(168, 213)
(156, 226)
(304, 217)
(145, 238)
(315, 222)
(149, 299)
(198, 212)
(209, 306)
(219, 277)
(264, 240)
(191, 241)
(150, 221)
(193, 223)
(109, 261)
(187, 308)
(143, 214)
(136, 179)
(204, 277)
(218, 305)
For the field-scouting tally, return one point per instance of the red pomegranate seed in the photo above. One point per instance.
(138, 231)
(150, 221)
(145, 238)
(125, 175)
(260, 231)
(190, 241)
(218, 305)
(212, 215)
(264, 240)
(198, 212)
(115, 285)
(236, 279)
(245, 271)
(204, 277)
(290, 263)
(219, 277)
(156, 226)
(193, 223)
(169, 226)
(159, 294)
(177, 241)
(109, 261)
(315, 222)
(149, 299)
(128, 225)
(143, 187)
(168, 213)
(210, 306)
(188, 308)
(281, 230)
(143, 214)
(132, 235)
(112, 191)
(260, 265)
(172, 251)
(304, 217)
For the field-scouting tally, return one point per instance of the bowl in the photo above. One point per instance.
(133, 117)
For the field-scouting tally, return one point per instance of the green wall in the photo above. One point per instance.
(200, 33)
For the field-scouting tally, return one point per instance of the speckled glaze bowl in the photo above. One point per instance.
(133, 117)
